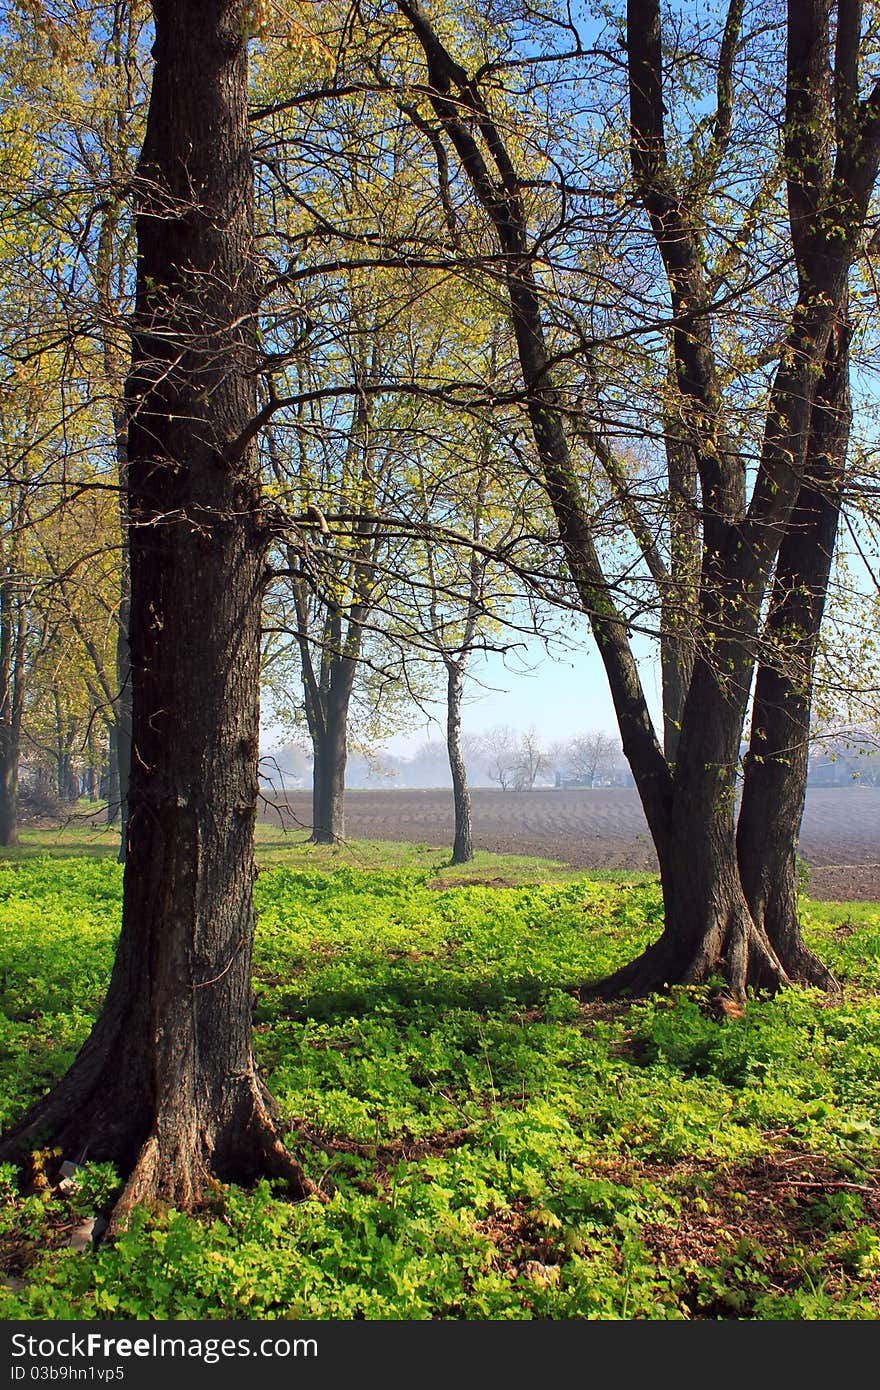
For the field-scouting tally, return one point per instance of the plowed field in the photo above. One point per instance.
(605, 829)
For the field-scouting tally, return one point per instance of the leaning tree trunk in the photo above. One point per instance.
(166, 1085)
(775, 784)
(462, 848)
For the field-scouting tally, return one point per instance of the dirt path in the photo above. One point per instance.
(605, 829)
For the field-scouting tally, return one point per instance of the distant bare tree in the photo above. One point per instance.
(531, 761)
(589, 757)
(499, 753)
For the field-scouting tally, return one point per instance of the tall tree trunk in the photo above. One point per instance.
(120, 733)
(774, 788)
(166, 1084)
(689, 806)
(708, 929)
(63, 752)
(328, 786)
(12, 681)
(110, 779)
(9, 758)
(678, 598)
(462, 848)
(123, 654)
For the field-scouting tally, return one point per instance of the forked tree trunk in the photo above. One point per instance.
(166, 1085)
(462, 848)
(775, 784)
(708, 929)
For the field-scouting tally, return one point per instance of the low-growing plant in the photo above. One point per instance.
(488, 1147)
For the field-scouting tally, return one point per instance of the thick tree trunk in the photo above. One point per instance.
(166, 1085)
(111, 776)
(123, 736)
(328, 786)
(462, 848)
(9, 758)
(708, 929)
(11, 705)
(675, 671)
(774, 788)
(678, 600)
(123, 655)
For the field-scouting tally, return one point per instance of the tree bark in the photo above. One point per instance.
(117, 805)
(9, 757)
(462, 847)
(330, 747)
(123, 719)
(111, 776)
(166, 1085)
(689, 803)
(708, 930)
(13, 633)
(775, 783)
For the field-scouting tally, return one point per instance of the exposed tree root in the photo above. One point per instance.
(178, 1164)
(741, 955)
(805, 968)
(171, 1154)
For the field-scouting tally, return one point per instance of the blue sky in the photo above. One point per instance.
(563, 696)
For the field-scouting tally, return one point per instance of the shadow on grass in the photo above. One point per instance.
(413, 996)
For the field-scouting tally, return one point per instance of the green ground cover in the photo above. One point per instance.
(489, 1148)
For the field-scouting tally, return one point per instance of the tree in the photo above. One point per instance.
(166, 1084)
(13, 652)
(588, 757)
(461, 592)
(338, 450)
(499, 753)
(531, 760)
(77, 102)
(741, 511)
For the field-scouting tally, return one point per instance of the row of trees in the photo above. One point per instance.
(440, 322)
(514, 759)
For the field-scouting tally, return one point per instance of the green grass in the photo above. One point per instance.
(86, 833)
(489, 1148)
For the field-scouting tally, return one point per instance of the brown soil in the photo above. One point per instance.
(605, 829)
(757, 1216)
